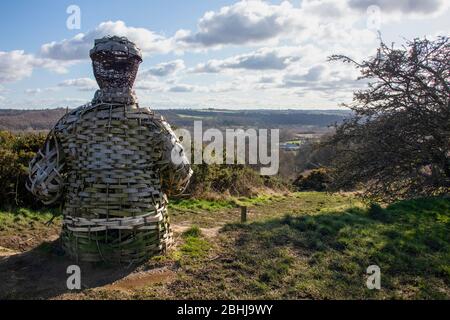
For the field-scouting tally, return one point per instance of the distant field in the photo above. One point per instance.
(18, 120)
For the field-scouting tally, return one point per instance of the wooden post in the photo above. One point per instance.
(243, 214)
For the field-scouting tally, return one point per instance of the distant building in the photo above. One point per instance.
(290, 146)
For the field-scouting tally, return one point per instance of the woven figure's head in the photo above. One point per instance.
(115, 61)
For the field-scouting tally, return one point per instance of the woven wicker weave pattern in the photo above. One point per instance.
(111, 162)
(117, 173)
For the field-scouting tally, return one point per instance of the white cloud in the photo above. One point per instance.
(35, 91)
(413, 7)
(164, 69)
(315, 73)
(256, 22)
(83, 84)
(267, 79)
(77, 48)
(182, 88)
(16, 65)
(148, 85)
(325, 80)
(325, 9)
(261, 59)
(244, 22)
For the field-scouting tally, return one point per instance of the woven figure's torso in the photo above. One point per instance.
(117, 171)
(113, 156)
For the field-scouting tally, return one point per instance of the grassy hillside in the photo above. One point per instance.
(303, 245)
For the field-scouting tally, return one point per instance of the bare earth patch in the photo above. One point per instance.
(142, 279)
(4, 252)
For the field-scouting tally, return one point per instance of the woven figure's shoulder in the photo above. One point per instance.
(162, 123)
(151, 118)
(70, 118)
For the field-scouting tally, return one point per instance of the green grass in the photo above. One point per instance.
(210, 213)
(322, 248)
(21, 229)
(200, 204)
(194, 245)
(257, 201)
(325, 255)
(23, 218)
(307, 245)
(214, 205)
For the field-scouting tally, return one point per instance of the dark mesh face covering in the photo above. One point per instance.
(116, 62)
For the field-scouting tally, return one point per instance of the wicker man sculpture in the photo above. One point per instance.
(114, 163)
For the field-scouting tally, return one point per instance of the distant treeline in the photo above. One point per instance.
(20, 120)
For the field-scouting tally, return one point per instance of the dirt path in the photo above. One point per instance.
(40, 272)
(5, 252)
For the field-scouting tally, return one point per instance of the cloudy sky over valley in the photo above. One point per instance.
(201, 54)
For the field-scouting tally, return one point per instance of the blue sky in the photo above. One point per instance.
(224, 54)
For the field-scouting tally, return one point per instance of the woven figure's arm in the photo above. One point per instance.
(45, 178)
(175, 168)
